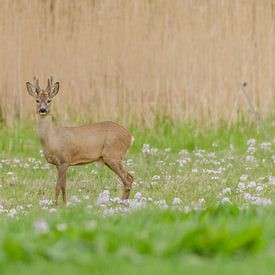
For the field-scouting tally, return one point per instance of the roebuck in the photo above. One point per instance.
(106, 141)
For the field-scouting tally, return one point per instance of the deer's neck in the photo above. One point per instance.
(45, 129)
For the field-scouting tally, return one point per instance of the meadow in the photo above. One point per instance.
(201, 202)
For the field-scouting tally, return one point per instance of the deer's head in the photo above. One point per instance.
(43, 96)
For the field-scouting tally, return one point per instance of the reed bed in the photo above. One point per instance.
(135, 60)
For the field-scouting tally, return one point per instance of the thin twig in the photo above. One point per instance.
(253, 110)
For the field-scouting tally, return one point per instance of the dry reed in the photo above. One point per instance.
(133, 60)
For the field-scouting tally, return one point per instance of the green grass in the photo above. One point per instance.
(220, 240)
(205, 210)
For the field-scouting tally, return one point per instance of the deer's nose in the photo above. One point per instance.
(42, 110)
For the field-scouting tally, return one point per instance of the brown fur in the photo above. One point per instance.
(106, 142)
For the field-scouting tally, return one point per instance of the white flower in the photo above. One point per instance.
(243, 177)
(184, 152)
(19, 207)
(251, 149)
(259, 188)
(241, 185)
(128, 162)
(182, 162)
(138, 196)
(211, 155)
(75, 199)
(201, 201)
(116, 200)
(226, 190)
(155, 178)
(167, 150)
(161, 203)
(250, 158)
(176, 201)
(12, 213)
(146, 149)
(199, 154)
(271, 180)
(262, 201)
(135, 204)
(45, 202)
(225, 200)
(251, 142)
(273, 159)
(251, 184)
(25, 165)
(93, 172)
(41, 226)
(265, 145)
(61, 227)
(247, 196)
(195, 170)
(86, 197)
(104, 197)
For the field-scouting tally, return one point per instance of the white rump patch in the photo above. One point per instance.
(132, 140)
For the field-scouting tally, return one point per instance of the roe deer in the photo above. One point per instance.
(106, 141)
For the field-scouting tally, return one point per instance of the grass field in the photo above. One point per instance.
(201, 203)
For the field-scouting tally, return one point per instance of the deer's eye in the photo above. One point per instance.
(48, 101)
(37, 101)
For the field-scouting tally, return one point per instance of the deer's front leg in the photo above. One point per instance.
(61, 183)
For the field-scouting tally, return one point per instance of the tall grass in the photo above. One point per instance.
(135, 60)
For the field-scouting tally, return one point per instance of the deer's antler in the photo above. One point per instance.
(36, 84)
(50, 83)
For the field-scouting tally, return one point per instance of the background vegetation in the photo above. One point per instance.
(135, 60)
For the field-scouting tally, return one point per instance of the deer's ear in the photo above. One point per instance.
(31, 89)
(55, 89)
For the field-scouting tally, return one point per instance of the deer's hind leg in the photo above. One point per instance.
(116, 165)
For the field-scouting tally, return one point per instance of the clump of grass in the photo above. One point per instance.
(76, 235)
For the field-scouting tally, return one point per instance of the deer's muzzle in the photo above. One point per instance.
(42, 111)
